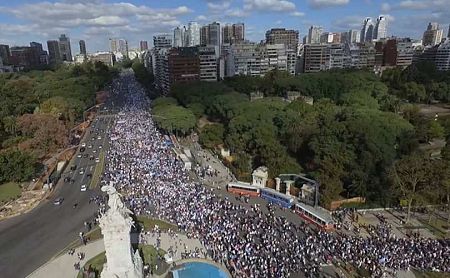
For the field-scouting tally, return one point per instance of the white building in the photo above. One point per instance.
(162, 40)
(193, 33)
(179, 34)
(367, 30)
(443, 56)
(208, 56)
(314, 34)
(380, 31)
(433, 35)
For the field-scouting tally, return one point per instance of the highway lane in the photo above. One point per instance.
(30, 240)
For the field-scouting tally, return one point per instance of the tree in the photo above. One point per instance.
(16, 165)
(409, 176)
(435, 130)
(414, 92)
(10, 125)
(174, 118)
(212, 135)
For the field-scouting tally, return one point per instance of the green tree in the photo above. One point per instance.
(174, 119)
(16, 166)
(435, 130)
(212, 135)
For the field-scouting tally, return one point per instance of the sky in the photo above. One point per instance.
(94, 21)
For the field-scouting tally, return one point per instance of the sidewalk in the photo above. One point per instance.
(63, 266)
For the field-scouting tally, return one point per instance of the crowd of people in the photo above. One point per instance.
(247, 240)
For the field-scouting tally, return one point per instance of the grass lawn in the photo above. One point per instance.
(149, 255)
(98, 170)
(9, 191)
(149, 223)
(95, 264)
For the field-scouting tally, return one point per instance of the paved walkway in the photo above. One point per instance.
(63, 266)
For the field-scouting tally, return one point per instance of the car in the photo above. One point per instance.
(58, 201)
(79, 155)
(97, 160)
(82, 149)
(66, 179)
(100, 147)
(99, 137)
(94, 151)
(73, 167)
(85, 155)
(72, 181)
(81, 171)
(91, 157)
(83, 187)
(90, 146)
(89, 175)
(83, 144)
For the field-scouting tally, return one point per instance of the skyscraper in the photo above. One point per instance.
(193, 36)
(433, 35)
(448, 35)
(53, 52)
(83, 47)
(227, 33)
(178, 37)
(380, 31)
(204, 35)
(64, 48)
(314, 34)
(143, 45)
(119, 45)
(238, 32)
(367, 30)
(214, 34)
(281, 35)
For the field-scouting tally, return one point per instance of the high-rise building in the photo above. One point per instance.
(83, 47)
(25, 56)
(183, 65)
(143, 45)
(5, 53)
(193, 34)
(238, 33)
(162, 41)
(53, 52)
(433, 35)
(214, 34)
(107, 58)
(204, 35)
(314, 34)
(40, 55)
(64, 48)
(326, 37)
(227, 33)
(354, 36)
(119, 46)
(448, 34)
(243, 58)
(283, 36)
(380, 31)
(208, 63)
(367, 30)
(179, 37)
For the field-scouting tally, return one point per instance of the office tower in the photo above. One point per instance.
(204, 35)
(25, 56)
(119, 45)
(143, 45)
(314, 34)
(193, 36)
(433, 35)
(64, 48)
(227, 33)
(208, 63)
(367, 30)
(380, 31)
(238, 32)
(326, 37)
(53, 52)
(178, 37)
(39, 54)
(354, 36)
(183, 65)
(345, 37)
(5, 53)
(283, 36)
(448, 35)
(162, 41)
(83, 47)
(214, 34)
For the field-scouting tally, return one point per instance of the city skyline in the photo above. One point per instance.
(97, 21)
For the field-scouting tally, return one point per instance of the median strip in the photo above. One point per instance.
(98, 170)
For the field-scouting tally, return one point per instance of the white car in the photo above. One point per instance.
(100, 147)
(99, 137)
(81, 171)
(83, 144)
(79, 155)
(83, 187)
(97, 160)
(90, 146)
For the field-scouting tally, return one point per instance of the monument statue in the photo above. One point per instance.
(116, 224)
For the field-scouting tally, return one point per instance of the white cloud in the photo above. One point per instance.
(201, 18)
(327, 3)
(269, 5)
(385, 7)
(236, 13)
(297, 13)
(413, 5)
(348, 22)
(218, 5)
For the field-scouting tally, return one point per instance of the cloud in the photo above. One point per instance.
(297, 13)
(218, 5)
(348, 22)
(201, 18)
(413, 5)
(318, 4)
(269, 5)
(236, 13)
(385, 7)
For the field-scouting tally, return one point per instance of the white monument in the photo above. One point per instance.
(116, 225)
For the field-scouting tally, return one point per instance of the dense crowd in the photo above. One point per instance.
(248, 241)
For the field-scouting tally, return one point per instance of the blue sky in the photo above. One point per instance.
(22, 21)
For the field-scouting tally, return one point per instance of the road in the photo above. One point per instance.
(30, 240)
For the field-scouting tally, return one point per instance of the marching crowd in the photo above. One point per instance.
(248, 241)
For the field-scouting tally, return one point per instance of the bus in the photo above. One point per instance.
(314, 215)
(243, 189)
(276, 197)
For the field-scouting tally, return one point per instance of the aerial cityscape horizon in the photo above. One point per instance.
(225, 139)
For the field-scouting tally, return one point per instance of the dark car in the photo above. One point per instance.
(82, 149)
(66, 179)
(58, 201)
(73, 167)
(89, 175)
